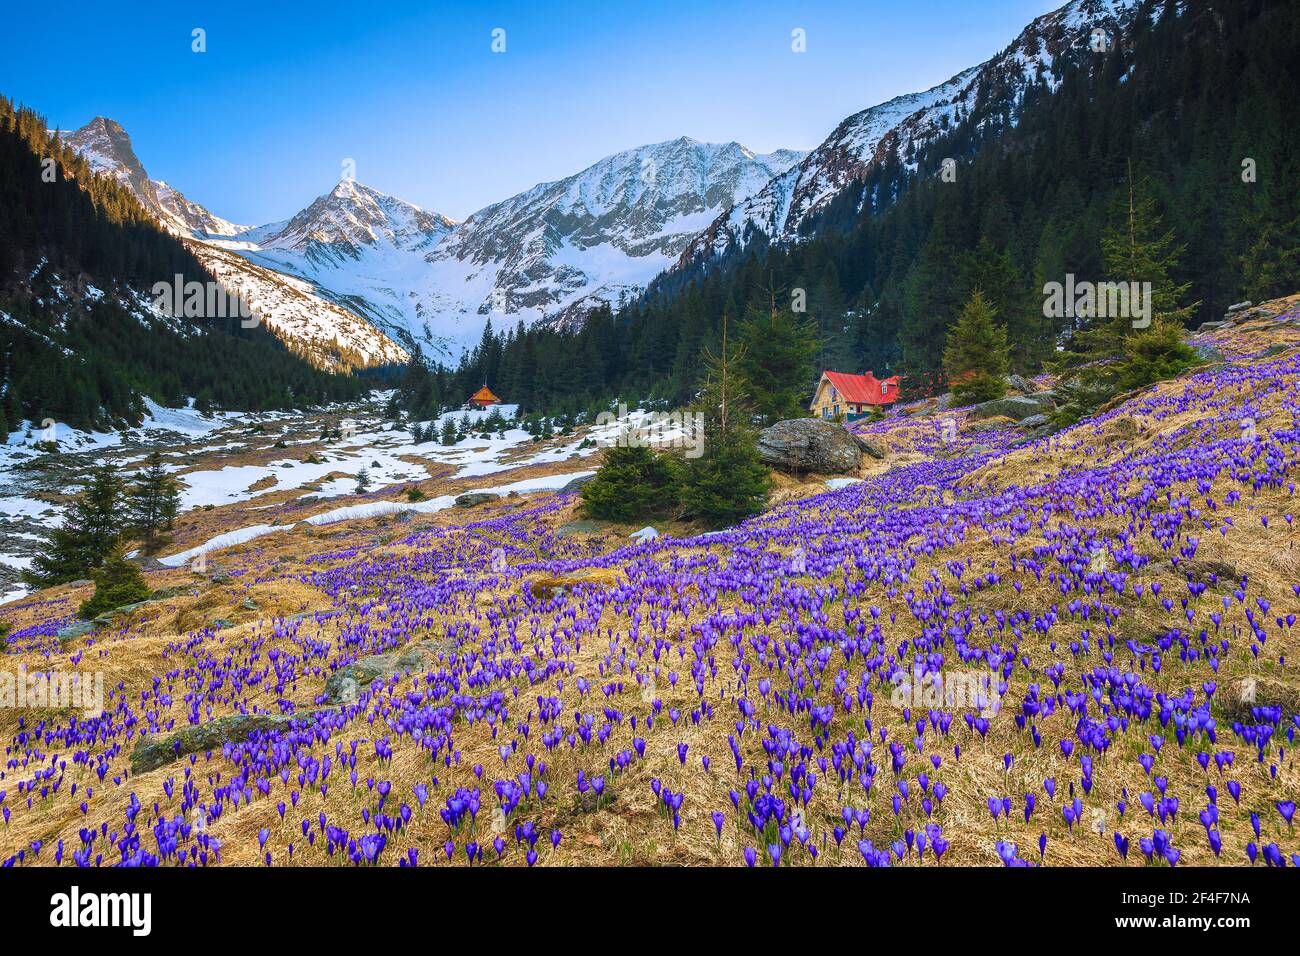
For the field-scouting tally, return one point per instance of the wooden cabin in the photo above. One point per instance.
(840, 394)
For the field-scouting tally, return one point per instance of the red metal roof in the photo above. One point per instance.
(485, 395)
(864, 389)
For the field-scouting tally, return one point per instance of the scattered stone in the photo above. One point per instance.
(80, 583)
(1015, 407)
(75, 630)
(1021, 384)
(153, 752)
(1211, 326)
(869, 447)
(544, 588)
(1237, 698)
(810, 445)
(1238, 306)
(346, 684)
(148, 563)
(1034, 421)
(576, 483)
(581, 527)
(472, 498)
(996, 423)
(1206, 571)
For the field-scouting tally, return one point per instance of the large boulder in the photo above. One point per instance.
(575, 483)
(472, 498)
(868, 447)
(1015, 407)
(810, 445)
(152, 752)
(347, 683)
(1021, 384)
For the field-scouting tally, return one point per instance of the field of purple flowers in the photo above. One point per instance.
(791, 692)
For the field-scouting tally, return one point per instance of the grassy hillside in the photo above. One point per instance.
(1125, 584)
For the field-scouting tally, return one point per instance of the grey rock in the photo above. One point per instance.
(75, 630)
(1016, 407)
(1033, 421)
(146, 563)
(581, 527)
(1238, 306)
(1021, 384)
(347, 683)
(152, 752)
(80, 583)
(576, 483)
(869, 447)
(1211, 326)
(472, 498)
(1206, 571)
(809, 444)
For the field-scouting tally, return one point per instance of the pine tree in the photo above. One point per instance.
(90, 530)
(153, 502)
(729, 481)
(1105, 354)
(449, 433)
(776, 356)
(118, 582)
(633, 483)
(975, 359)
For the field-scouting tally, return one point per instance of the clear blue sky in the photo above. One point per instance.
(259, 124)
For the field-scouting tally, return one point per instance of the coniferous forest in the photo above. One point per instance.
(70, 353)
(1202, 106)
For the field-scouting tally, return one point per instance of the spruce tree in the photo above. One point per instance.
(975, 359)
(117, 582)
(89, 532)
(729, 481)
(153, 502)
(634, 483)
(1105, 357)
(776, 361)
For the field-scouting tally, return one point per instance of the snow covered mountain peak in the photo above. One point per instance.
(107, 147)
(785, 208)
(600, 235)
(353, 215)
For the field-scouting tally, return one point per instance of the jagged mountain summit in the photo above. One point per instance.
(302, 315)
(786, 208)
(107, 147)
(353, 215)
(600, 235)
(547, 254)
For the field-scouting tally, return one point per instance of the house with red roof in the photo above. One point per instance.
(850, 396)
